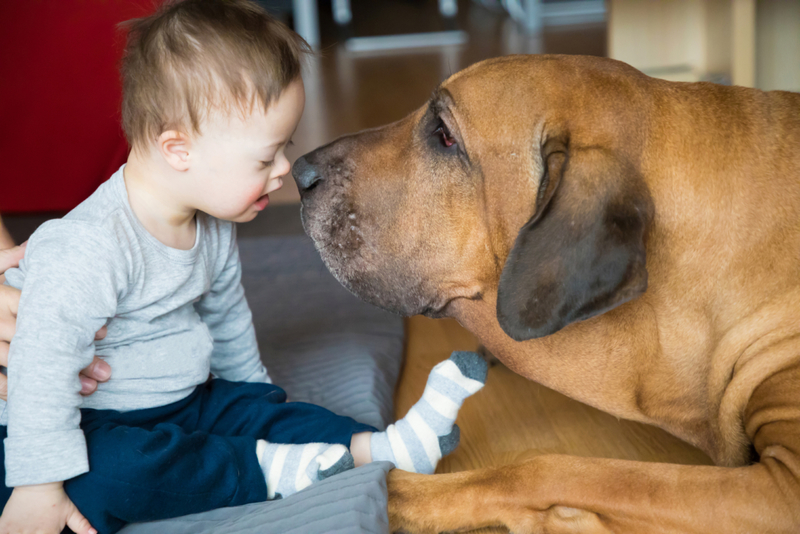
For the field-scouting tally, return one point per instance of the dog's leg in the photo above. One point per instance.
(555, 494)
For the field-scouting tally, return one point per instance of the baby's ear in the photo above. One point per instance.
(174, 146)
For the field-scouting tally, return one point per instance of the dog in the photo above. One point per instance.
(630, 242)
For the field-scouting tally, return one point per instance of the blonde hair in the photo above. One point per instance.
(193, 56)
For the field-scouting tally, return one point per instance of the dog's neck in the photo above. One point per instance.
(593, 361)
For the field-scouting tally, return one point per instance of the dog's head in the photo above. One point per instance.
(511, 179)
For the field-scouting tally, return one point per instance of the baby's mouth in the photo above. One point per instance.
(262, 202)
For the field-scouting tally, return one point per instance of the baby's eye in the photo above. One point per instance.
(267, 164)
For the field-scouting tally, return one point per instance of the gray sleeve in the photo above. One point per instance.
(226, 313)
(73, 273)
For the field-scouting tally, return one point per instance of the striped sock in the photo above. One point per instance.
(291, 468)
(418, 441)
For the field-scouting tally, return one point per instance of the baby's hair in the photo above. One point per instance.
(193, 56)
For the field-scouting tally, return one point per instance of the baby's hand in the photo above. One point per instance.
(42, 509)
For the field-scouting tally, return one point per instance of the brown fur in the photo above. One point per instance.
(710, 351)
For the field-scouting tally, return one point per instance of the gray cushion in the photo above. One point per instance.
(324, 346)
(352, 502)
(318, 341)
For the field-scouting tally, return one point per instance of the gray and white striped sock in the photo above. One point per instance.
(291, 468)
(418, 441)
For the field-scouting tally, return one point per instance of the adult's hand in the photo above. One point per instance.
(10, 257)
(98, 371)
(6, 241)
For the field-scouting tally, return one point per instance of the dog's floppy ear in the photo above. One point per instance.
(582, 253)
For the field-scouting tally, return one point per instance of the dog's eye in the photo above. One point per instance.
(444, 135)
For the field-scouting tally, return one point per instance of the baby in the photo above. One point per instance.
(212, 94)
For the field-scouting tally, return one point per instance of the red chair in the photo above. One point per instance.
(60, 132)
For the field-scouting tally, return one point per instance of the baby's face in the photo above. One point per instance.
(236, 162)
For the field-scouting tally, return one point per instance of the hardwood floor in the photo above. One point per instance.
(512, 419)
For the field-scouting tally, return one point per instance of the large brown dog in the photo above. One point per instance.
(629, 242)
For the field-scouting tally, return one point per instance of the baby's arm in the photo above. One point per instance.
(98, 370)
(226, 313)
(72, 276)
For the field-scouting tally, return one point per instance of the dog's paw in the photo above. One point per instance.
(557, 520)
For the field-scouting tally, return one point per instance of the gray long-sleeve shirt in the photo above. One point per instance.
(172, 315)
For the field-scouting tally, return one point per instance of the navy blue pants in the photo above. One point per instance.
(191, 456)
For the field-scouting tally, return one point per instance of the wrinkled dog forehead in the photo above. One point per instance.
(489, 112)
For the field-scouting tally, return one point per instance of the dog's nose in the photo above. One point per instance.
(305, 174)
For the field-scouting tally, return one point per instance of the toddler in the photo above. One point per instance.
(212, 94)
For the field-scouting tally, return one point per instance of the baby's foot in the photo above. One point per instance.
(419, 440)
(291, 468)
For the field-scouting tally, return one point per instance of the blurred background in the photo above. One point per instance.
(377, 61)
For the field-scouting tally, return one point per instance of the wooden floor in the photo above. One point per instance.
(512, 418)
